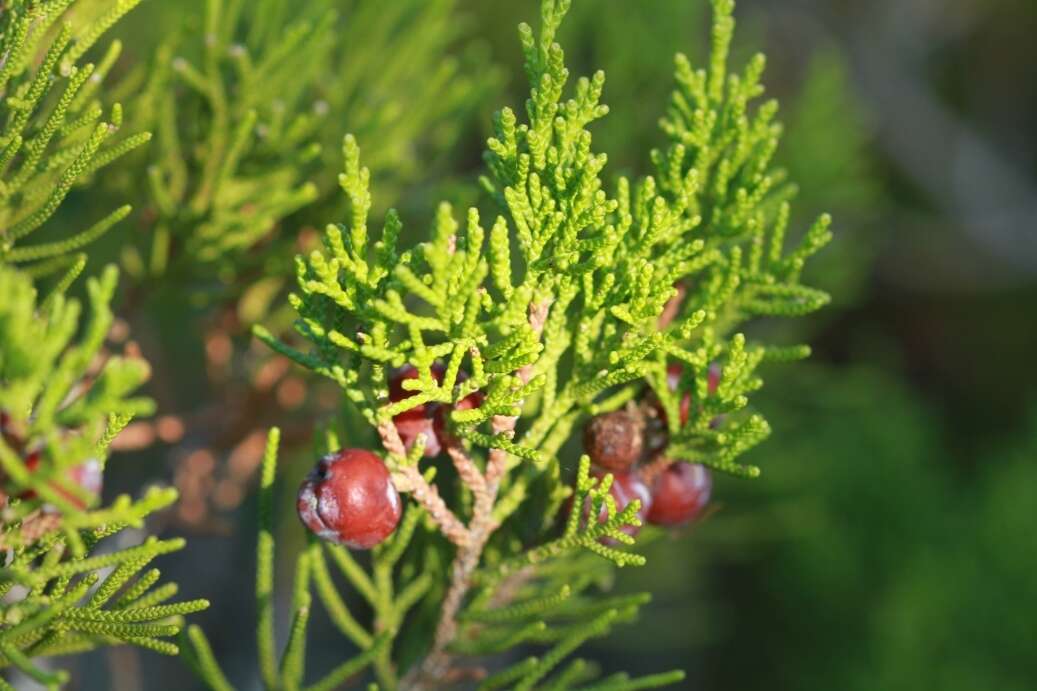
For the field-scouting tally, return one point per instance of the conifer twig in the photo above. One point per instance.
(33, 528)
(481, 526)
(612, 292)
(407, 478)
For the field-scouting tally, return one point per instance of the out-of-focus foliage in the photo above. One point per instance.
(888, 572)
(62, 402)
(827, 154)
(244, 99)
(55, 133)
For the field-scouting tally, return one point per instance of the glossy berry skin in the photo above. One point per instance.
(614, 440)
(349, 499)
(680, 493)
(626, 487)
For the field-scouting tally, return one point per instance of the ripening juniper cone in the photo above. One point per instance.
(417, 420)
(614, 440)
(349, 499)
(679, 493)
(428, 418)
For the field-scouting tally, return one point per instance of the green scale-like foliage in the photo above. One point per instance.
(54, 132)
(60, 396)
(243, 107)
(75, 602)
(63, 396)
(64, 400)
(603, 268)
(575, 302)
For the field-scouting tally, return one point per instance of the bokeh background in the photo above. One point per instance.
(891, 541)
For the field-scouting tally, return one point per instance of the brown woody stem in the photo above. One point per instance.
(437, 665)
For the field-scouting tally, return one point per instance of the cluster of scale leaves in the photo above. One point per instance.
(59, 392)
(74, 602)
(62, 394)
(68, 400)
(596, 269)
(603, 268)
(242, 98)
(54, 132)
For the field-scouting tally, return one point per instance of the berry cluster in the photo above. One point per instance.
(88, 475)
(349, 498)
(429, 419)
(629, 444)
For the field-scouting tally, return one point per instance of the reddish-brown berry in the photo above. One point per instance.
(398, 393)
(713, 378)
(614, 440)
(419, 419)
(429, 419)
(410, 428)
(349, 499)
(679, 493)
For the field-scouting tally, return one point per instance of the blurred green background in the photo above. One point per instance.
(890, 543)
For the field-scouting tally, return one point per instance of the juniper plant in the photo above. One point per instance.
(62, 401)
(244, 99)
(580, 298)
(55, 132)
(243, 105)
(575, 302)
(67, 582)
